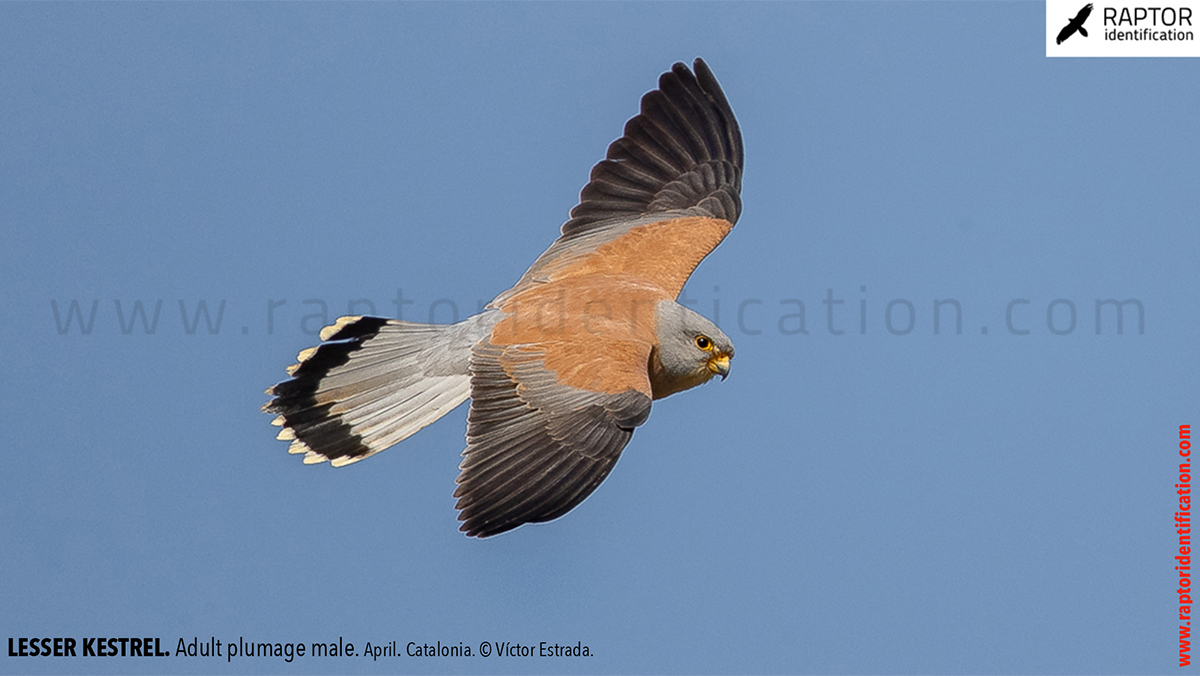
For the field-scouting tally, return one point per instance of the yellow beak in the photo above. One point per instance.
(719, 365)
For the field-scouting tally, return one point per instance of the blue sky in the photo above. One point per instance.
(882, 500)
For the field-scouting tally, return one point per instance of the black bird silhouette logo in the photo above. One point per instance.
(1076, 24)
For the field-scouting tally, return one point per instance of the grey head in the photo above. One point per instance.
(690, 350)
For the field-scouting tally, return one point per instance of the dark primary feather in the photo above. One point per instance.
(683, 152)
(680, 156)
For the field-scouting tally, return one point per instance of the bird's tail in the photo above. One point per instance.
(1083, 31)
(372, 383)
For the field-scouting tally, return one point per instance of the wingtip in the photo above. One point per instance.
(467, 529)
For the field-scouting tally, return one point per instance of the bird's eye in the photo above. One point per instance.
(703, 342)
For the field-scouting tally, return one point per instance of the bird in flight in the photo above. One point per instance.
(562, 367)
(1076, 24)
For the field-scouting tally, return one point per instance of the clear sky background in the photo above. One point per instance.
(859, 502)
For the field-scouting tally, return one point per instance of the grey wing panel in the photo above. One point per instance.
(535, 448)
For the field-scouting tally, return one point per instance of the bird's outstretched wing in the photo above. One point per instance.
(535, 446)
(677, 168)
(683, 152)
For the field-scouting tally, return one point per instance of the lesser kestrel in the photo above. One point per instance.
(563, 366)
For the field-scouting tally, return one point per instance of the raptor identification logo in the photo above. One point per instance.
(1123, 28)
